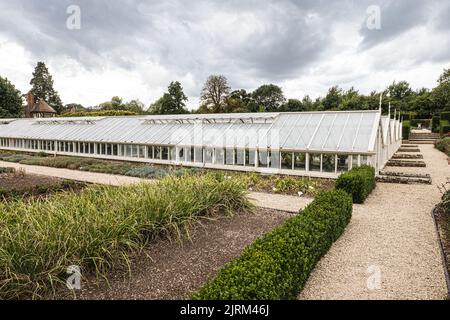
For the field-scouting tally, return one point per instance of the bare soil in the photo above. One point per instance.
(21, 184)
(173, 270)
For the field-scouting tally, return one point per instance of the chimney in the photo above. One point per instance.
(30, 104)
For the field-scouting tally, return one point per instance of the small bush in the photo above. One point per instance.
(358, 182)
(7, 170)
(278, 265)
(445, 127)
(435, 124)
(443, 145)
(406, 130)
(445, 116)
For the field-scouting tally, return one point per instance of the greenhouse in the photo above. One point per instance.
(317, 144)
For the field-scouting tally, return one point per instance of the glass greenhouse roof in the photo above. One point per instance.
(340, 131)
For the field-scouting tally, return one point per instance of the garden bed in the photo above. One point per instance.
(174, 269)
(19, 184)
(279, 184)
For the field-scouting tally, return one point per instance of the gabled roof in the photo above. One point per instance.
(42, 107)
(333, 131)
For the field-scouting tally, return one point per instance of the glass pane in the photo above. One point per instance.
(328, 162)
(164, 153)
(157, 152)
(343, 163)
(180, 154)
(274, 159)
(208, 155)
(314, 162)
(299, 161)
(286, 160)
(249, 158)
(262, 158)
(364, 160)
(229, 156)
(240, 156)
(220, 156)
(355, 160)
(198, 153)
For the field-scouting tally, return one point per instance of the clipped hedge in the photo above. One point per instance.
(407, 116)
(277, 265)
(406, 130)
(445, 127)
(445, 115)
(358, 182)
(435, 124)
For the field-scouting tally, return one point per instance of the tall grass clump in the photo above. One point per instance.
(100, 228)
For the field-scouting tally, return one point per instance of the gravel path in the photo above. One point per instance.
(264, 200)
(171, 270)
(391, 238)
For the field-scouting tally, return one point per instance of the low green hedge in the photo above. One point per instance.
(277, 265)
(445, 127)
(406, 130)
(358, 182)
(445, 115)
(7, 170)
(407, 116)
(435, 124)
(443, 145)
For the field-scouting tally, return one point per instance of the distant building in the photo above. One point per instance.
(39, 109)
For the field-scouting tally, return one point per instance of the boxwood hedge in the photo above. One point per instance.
(358, 182)
(277, 265)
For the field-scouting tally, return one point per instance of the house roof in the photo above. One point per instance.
(334, 131)
(42, 107)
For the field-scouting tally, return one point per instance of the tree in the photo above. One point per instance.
(268, 98)
(135, 106)
(10, 100)
(116, 103)
(333, 99)
(214, 93)
(238, 101)
(441, 94)
(293, 105)
(172, 102)
(42, 87)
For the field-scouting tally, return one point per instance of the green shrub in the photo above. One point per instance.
(443, 145)
(406, 130)
(146, 172)
(407, 116)
(7, 170)
(100, 228)
(435, 124)
(358, 182)
(445, 116)
(445, 127)
(277, 265)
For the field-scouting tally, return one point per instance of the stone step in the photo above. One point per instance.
(423, 141)
(403, 180)
(403, 163)
(409, 146)
(407, 156)
(408, 150)
(405, 174)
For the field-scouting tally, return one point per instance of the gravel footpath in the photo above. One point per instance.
(264, 200)
(390, 238)
(171, 270)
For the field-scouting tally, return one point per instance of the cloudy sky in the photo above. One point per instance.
(134, 49)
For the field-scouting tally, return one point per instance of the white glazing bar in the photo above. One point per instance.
(329, 131)
(343, 132)
(315, 132)
(303, 130)
(357, 131)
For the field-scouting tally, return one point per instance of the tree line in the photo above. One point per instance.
(217, 96)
